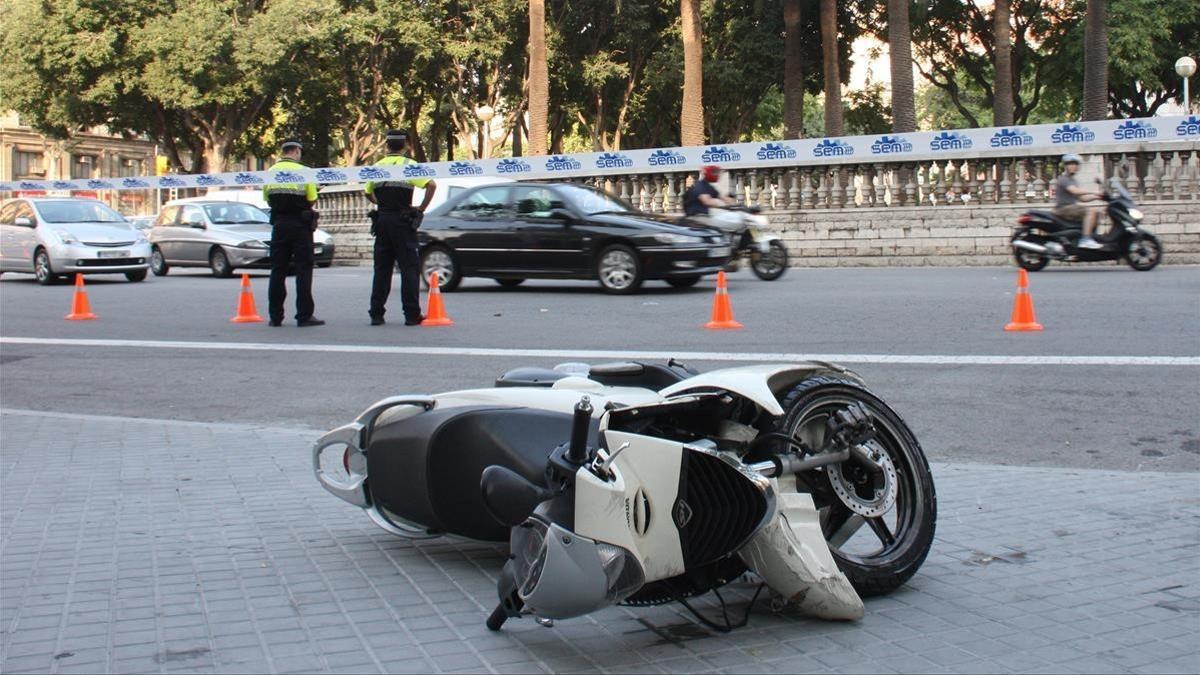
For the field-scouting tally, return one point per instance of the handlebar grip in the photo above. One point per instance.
(497, 619)
(577, 452)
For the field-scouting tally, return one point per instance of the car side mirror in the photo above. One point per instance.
(23, 221)
(562, 214)
(195, 225)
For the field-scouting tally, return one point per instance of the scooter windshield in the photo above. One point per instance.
(1119, 188)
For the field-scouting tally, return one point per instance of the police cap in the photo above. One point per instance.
(396, 135)
(291, 144)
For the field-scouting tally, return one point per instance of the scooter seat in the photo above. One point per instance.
(1058, 220)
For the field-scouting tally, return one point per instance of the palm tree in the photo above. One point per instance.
(1095, 62)
(833, 78)
(1002, 99)
(904, 110)
(539, 79)
(793, 71)
(691, 119)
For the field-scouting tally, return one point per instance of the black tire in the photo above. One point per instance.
(218, 262)
(139, 275)
(442, 260)
(909, 522)
(1028, 260)
(158, 263)
(771, 265)
(683, 282)
(510, 283)
(1144, 255)
(42, 270)
(618, 270)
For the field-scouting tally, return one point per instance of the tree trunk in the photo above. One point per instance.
(833, 78)
(904, 111)
(691, 119)
(793, 71)
(1002, 103)
(1095, 62)
(539, 79)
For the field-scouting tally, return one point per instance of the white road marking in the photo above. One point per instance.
(751, 357)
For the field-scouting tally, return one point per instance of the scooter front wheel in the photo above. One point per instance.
(1145, 253)
(771, 265)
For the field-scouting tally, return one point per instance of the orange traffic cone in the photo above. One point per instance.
(1022, 314)
(722, 311)
(246, 312)
(81, 309)
(435, 313)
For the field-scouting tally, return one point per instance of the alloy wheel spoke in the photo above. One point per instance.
(881, 530)
(844, 523)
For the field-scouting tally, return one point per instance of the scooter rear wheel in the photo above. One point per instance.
(1028, 260)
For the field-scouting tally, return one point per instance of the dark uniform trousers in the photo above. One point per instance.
(291, 244)
(396, 241)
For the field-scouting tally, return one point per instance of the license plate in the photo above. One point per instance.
(719, 252)
(113, 254)
(318, 249)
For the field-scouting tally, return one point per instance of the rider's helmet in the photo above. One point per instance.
(710, 173)
(1071, 158)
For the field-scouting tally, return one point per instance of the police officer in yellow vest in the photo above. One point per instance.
(293, 221)
(395, 226)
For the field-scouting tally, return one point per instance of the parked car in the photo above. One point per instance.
(221, 235)
(517, 231)
(53, 238)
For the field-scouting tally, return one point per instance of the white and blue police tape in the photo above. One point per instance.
(1080, 137)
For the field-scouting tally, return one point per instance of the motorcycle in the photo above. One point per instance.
(1042, 236)
(767, 255)
(641, 484)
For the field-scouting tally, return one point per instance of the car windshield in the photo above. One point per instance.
(77, 211)
(590, 201)
(233, 213)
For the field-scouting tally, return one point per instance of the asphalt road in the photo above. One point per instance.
(970, 391)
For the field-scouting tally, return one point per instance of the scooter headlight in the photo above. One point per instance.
(528, 544)
(622, 571)
(1136, 214)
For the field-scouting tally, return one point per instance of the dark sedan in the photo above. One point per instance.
(515, 232)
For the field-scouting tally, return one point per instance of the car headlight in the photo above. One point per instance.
(252, 243)
(1136, 214)
(66, 237)
(678, 239)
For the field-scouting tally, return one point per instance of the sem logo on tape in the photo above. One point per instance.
(63, 185)
(208, 180)
(1189, 127)
(331, 176)
(513, 166)
(720, 153)
(26, 185)
(1010, 138)
(373, 173)
(833, 148)
(418, 171)
(288, 177)
(100, 185)
(561, 163)
(1072, 133)
(888, 145)
(666, 158)
(135, 183)
(949, 140)
(465, 169)
(613, 160)
(1131, 130)
(247, 179)
(775, 151)
(168, 181)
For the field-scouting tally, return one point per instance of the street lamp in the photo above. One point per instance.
(1186, 67)
(484, 113)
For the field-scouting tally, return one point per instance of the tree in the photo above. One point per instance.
(1002, 106)
(691, 119)
(904, 113)
(539, 79)
(793, 70)
(1095, 62)
(829, 57)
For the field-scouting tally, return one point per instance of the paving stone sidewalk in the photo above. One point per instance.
(146, 545)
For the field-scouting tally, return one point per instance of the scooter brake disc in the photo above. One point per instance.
(855, 490)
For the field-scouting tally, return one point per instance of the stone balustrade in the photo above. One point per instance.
(811, 206)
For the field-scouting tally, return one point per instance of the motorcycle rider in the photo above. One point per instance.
(703, 195)
(1068, 204)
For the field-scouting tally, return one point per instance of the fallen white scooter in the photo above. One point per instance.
(643, 484)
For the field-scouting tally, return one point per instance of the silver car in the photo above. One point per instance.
(53, 238)
(220, 235)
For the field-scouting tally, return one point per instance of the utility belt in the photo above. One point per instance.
(407, 217)
(305, 217)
